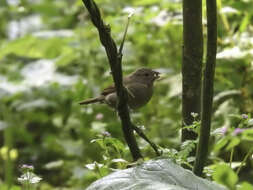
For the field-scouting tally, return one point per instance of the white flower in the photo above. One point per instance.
(30, 178)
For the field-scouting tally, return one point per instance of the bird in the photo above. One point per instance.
(139, 86)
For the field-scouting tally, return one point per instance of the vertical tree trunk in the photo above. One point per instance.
(207, 100)
(192, 63)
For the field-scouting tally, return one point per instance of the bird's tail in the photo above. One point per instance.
(92, 100)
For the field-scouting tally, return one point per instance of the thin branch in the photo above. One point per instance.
(142, 135)
(207, 95)
(125, 33)
(115, 58)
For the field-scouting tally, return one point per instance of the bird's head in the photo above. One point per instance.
(145, 75)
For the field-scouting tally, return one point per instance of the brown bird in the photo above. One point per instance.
(139, 85)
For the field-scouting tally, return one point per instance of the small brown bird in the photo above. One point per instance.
(139, 85)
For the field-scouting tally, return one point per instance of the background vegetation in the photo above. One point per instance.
(51, 58)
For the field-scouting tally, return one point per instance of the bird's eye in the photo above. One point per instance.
(146, 74)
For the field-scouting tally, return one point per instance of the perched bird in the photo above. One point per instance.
(139, 85)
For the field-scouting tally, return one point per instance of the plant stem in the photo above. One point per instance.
(231, 157)
(244, 160)
(207, 89)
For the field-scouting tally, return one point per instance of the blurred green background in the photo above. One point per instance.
(51, 58)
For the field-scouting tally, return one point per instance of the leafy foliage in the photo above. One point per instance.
(51, 58)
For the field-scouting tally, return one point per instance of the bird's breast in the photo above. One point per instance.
(138, 94)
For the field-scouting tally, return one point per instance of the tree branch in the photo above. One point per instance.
(207, 99)
(114, 57)
(142, 135)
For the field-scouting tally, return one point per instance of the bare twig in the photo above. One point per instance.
(125, 33)
(142, 135)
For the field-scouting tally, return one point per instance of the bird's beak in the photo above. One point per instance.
(156, 75)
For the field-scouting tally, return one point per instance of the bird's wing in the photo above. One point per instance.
(108, 90)
(111, 89)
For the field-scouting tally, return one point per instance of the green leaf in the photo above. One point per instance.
(247, 134)
(54, 164)
(30, 46)
(146, 2)
(98, 127)
(115, 143)
(232, 143)
(245, 186)
(245, 23)
(223, 174)
(220, 144)
(6, 187)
